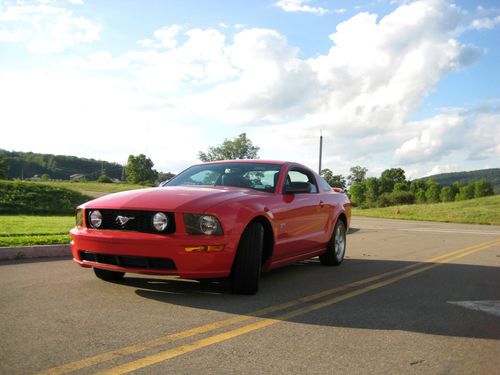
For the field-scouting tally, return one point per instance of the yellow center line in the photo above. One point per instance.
(132, 349)
(183, 349)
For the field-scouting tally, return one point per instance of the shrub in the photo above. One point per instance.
(447, 194)
(104, 179)
(395, 198)
(482, 188)
(18, 197)
(465, 192)
(403, 197)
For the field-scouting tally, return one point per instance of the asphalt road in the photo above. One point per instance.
(400, 303)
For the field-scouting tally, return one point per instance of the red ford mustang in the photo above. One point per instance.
(222, 219)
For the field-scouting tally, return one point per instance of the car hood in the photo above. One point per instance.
(172, 198)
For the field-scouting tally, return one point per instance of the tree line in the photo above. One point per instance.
(392, 188)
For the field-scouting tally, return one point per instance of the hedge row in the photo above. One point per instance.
(30, 198)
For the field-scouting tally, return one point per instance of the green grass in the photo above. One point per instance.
(94, 189)
(31, 197)
(24, 230)
(475, 211)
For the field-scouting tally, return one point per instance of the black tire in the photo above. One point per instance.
(245, 275)
(108, 275)
(335, 250)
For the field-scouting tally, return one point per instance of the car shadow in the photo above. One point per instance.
(419, 303)
(353, 230)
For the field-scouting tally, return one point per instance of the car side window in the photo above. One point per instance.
(324, 185)
(299, 175)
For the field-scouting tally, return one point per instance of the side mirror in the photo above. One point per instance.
(338, 190)
(298, 188)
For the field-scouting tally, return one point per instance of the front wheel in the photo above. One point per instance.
(245, 275)
(108, 275)
(335, 250)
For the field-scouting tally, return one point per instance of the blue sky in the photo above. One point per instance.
(410, 84)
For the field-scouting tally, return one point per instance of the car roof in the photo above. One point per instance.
(250, 161)
(259, 161)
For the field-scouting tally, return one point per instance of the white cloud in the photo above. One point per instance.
(165, 37)
(362, 93)
(45, 26)
(294, 6)
(485, 23)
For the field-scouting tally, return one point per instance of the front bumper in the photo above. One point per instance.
(132, 251)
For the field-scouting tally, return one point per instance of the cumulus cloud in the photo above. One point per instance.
(485, 23)
(294, 6)
(362, 93)
(45, 26)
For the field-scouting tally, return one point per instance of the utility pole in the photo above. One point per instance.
(320, 151)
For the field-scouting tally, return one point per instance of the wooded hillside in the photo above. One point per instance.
(27, 164)
(491, 175)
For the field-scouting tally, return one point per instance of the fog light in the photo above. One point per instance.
(95, 219)
(160, 221)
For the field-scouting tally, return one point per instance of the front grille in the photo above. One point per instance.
(142, 221)
(127, 261)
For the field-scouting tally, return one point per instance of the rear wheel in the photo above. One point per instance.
(245, 275)
(335, 250)
(108, 275)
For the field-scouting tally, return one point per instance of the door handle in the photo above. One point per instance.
(321, 203)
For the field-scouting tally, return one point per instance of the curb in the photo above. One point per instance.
(29, 252)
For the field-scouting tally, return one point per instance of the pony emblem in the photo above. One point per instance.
(123, 220)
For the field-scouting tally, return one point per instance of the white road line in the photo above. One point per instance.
(490, 307)
(458, 231)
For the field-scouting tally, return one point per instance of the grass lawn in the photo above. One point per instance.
(94, 189)
(475, 211)
(23, 230)
(28, 230)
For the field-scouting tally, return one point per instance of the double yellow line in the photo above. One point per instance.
(305, 305)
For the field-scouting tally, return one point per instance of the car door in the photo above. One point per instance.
(301, 218)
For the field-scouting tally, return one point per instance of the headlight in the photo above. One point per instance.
(95, 219)
(160, 221)
(79, 218)
(202, 224)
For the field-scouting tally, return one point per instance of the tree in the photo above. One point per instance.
(420, 196)
(401, 186)
(3, 168)
(390, 177)
(372, 192)
(357, 194)
(447, 194)
(465, 192)
(358, 174)
(333, 180)
(417, 185)
(433, 192)
(139, 170)
(482, 188)
(165, 176)
(239, 148)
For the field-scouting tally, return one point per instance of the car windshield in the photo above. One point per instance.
(258, 176)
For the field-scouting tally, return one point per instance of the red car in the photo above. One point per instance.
(222, 219)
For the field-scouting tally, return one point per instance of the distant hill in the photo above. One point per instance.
(27, 164)
(492, 175)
